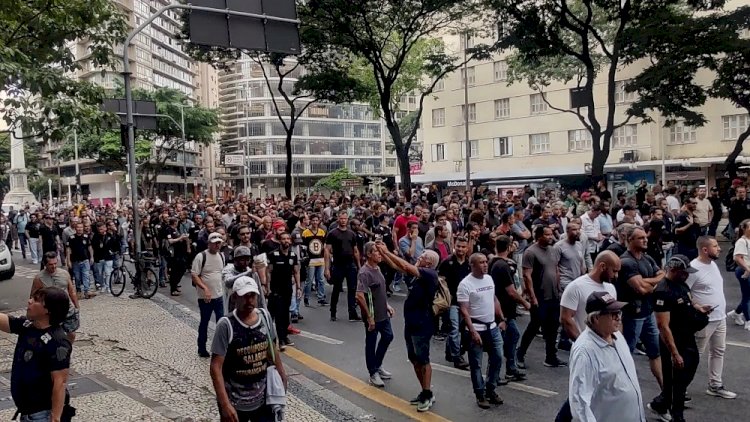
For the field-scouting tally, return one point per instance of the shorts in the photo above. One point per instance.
(644, 329)
(418, 348)
(72, 321)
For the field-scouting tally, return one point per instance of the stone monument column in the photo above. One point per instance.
(19, 194)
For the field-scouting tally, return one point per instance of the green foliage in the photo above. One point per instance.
(37, 61)
(30, 147)
(334, 180)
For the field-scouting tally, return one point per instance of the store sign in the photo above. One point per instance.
(415, 168)
(351, 183)
(233, 160)
(633, 177)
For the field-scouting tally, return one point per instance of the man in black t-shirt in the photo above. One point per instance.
(283, 270)
(32, 233)
(342, 262)
(48, 236)
(687, 230)
(42, 357)
(503, 271)
(80, 256)
(176, 254)
(455, 269)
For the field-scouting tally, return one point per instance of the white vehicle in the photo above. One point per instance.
(7, 267)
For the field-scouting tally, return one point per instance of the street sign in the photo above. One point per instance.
(351, 183)
(145, 112)
(233, 160)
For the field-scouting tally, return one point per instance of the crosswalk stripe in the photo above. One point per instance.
(513, 385)
(321, 338)
(739, 344)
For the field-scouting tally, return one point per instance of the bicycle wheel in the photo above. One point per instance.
(149, 283)
(117, 281)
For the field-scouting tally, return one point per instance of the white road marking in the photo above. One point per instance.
(513, 385)
(321, 338)
(739, 344)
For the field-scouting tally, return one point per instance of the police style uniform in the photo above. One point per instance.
(282, 273)
(675, 297)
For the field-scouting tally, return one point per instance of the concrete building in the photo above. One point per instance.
(156, 60)
(327, 136)
(516, 138)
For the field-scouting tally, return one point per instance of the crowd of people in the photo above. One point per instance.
(637, 273)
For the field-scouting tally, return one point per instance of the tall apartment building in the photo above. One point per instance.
(156, 60)
(327, 137)
(516, 138)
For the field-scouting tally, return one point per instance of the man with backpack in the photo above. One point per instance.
(206, 274)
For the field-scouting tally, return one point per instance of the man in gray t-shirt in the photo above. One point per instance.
(376, 314)
(571, 252)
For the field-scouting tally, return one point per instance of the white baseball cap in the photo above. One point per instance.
(245, 285)
(215, 238)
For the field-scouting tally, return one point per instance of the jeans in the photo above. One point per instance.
(216, 307)
(34, 246)
(338, 274)
(374, 349)
(278, 306)
(644, 329)
(22, 241)
(546, 316)
(715, 337)
(453, 339)
(511, 335)
(315, 274)
(162, 270)
(492, 343)
(712, 228)
(294, 306)
(102, 271)
(744, 306)
(43, 416)
(81, 275)
(676, 380)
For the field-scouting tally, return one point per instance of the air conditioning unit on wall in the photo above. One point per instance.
(630, 156)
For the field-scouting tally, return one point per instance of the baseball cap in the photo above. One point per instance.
(681, 262)
(244, 285)
(278, 224)
(602, 301)
(241, 251)
(215, 238)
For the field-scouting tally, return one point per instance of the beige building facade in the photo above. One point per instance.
(517, 138)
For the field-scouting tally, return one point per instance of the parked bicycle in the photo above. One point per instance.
(144, 278)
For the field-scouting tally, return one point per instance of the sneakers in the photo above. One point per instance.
(493, 398)
(384, 374)
(482, 402)
(515, 376)
(415, 401)
(521, 363)
(292, 330)
(428, 399)
(333, 318)
(287, 342)
(460, 363)
(663, 416)
(322, 302)
(720, 391)
(307, 303)
(439, 337)
(376, 380)
(555, 363)
(204, 354)
(294, 319)
(747, 325)
(354, 318)
(738, 319)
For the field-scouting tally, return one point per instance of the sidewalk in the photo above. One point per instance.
(136, 360)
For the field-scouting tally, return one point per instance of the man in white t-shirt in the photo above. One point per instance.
(481, 311)
(206, 275)
(573, 301)
(707, 288)
(704, 211)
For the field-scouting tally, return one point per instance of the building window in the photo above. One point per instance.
(734, 126)
(537, 104)
(473, 145)
(439, 85)
(680, 133)
(472, 113)
(472, 77)
(438, 152)
(622, 96)
(502, 108)
(579, 140)
(466, 40)
(625, 136)
(501, 70)
(438, 117)
(503, 147)
(539, 143)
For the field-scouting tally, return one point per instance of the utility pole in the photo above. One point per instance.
(78, 169)
(467, 143)
(184, 155)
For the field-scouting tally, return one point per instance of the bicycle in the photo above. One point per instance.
(144, 278)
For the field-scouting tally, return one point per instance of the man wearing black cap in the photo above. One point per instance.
(603, 381)
(678, 318)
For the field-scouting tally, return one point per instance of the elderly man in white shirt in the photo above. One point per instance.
(603, 384)
(590, 227)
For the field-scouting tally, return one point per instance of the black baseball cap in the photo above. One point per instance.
(681, 262)
(603, 301)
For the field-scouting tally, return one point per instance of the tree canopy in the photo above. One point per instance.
(37, 63)
(334, 181)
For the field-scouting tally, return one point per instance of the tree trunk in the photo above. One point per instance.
(288, 173)
(597, 165)
(732, 157)
(402, 155)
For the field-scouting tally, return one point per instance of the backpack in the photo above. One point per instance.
(203, 260)
(442, 300)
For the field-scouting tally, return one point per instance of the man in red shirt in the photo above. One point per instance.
(401, 223)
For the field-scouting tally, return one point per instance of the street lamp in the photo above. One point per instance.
(49, 185)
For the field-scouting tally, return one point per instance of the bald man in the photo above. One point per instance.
(573, 301)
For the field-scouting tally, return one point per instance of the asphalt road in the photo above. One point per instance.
(341, 345)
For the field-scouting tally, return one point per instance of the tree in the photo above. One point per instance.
(706, 42)
(334, 181)
(325, 80)
(586, 42)
(153, 148)
(37, 61)
(395, 48)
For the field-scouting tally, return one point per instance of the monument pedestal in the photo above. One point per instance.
(19, 195)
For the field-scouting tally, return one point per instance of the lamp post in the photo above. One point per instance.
(49, 186)
(78, 169)
(467, 143)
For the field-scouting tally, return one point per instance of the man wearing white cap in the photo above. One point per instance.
(206, 275)
(242, 349)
